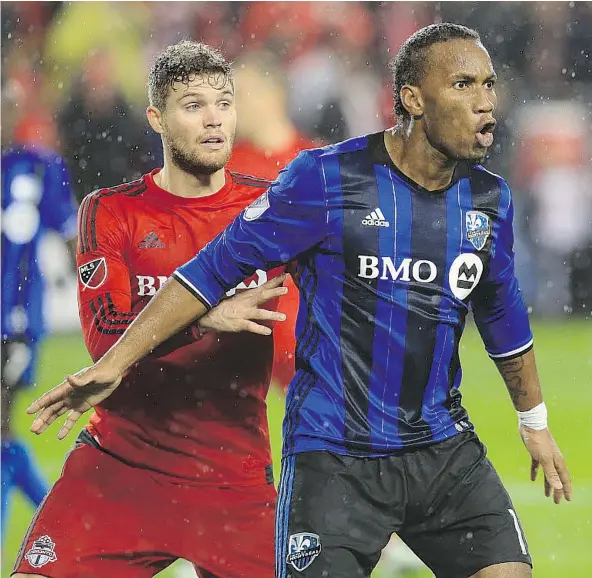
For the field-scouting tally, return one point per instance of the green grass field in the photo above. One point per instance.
(558, 536)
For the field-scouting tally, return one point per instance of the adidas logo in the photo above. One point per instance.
(375, 219)
(151, 241)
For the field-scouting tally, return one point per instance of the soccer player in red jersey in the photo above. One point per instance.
(267, 140)
(177, 463)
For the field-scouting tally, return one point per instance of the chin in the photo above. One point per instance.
(212, 165)
(199, 165)
(214, 158)
(475, 160)
(474, 157)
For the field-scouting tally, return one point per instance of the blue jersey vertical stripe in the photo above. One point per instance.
(391, 316)
(331, 369)
(436, 393)
(399, 294)
(436, 406)
(459, 201)
(303, 378)
(303, 397)
(428, 226)
(434, 411)
(358, 305)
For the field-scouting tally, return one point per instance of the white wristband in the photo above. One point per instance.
(535, 418)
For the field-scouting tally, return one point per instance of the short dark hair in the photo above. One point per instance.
(408, 66)
(181, 62)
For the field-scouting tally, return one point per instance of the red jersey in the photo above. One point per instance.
(195, 408)
(246, 157)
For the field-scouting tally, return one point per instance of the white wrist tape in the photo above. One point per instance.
(535, 418)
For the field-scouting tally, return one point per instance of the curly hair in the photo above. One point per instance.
(409, 65)
(182, 62)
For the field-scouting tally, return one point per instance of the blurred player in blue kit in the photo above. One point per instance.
(36, 197)
(396, 236)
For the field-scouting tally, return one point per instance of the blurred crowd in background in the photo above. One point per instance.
(74, 74)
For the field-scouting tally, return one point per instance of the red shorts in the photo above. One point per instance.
(103, 518)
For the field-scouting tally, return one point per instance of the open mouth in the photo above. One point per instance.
(213, 142)
(485, 134)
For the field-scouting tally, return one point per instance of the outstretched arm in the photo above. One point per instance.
(171, 309)
(174, 307)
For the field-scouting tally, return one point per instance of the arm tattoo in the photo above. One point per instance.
(511, 371)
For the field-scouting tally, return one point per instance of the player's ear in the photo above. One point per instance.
(412, 100)
(154, 117)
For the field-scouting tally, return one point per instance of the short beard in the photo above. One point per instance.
(193, 166)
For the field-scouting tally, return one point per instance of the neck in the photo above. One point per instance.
(416, 158)
(279, 135)
(177, 182)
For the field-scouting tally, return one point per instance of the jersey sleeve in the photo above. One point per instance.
(104, 290)
(498, 307)
(61, 206)
(104, 287)
(287, 220)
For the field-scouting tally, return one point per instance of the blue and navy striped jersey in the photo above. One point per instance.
(36, 197)
(387, 273)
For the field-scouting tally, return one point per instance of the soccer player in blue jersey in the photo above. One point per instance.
(36, 197)
(395, 236)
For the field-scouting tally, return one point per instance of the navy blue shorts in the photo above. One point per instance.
(336, 513)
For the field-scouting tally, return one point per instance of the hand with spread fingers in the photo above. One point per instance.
(545, 453)
(243, 311)
(76, 394)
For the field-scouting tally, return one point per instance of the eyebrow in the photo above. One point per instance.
(471, 77)
(197, 94)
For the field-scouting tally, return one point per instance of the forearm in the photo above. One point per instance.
(169, 311)
(521, 378)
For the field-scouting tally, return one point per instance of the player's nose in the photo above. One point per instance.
(212, 116)
(485, 102)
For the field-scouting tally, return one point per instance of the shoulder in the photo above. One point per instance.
(114, 198)
(351, 145)
(312, 159)
(247, 188)
(490, 176)
(106, 212)
(488, 183)
(325, 160)
(249, 180)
